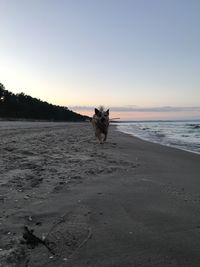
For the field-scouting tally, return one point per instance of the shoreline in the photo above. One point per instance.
(154, 142)
(178, 145)
(128, 202)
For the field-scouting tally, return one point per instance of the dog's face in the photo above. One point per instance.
(102, 116)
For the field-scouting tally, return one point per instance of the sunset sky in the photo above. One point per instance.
(140, 58)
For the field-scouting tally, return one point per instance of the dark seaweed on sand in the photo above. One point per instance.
(32, 240)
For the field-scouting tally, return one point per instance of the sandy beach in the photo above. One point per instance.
(127, 202)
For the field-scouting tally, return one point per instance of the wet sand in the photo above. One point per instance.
(125, 203)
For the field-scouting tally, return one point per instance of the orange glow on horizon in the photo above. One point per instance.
(139, 116)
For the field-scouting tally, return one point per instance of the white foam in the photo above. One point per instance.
(179, 134)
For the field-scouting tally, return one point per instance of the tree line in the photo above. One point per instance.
(21, 106)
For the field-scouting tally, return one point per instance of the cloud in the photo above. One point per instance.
(142, 109)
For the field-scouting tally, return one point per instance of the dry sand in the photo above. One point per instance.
(125, 203)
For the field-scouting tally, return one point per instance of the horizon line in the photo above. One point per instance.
(142, 109)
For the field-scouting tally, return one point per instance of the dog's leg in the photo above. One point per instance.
(98, 136)
(105, 137)
(100, 139)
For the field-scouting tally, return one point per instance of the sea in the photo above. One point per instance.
(183, 135)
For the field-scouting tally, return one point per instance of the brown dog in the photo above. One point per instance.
(100, 122)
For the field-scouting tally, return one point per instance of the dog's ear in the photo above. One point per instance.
(107, 112)
(96, 111)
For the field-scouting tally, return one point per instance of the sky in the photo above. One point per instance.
(140, 58)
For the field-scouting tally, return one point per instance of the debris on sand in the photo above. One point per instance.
(32, 240)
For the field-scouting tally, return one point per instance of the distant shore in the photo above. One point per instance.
(127, 202)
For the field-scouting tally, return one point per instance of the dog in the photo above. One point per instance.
(100, 122)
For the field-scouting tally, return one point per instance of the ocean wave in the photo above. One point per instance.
(181, 135)
(194, 126)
